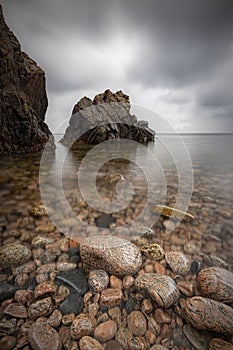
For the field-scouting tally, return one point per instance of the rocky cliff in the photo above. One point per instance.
(106, 117)
(23, 99)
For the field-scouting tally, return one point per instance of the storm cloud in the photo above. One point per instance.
(175, 57)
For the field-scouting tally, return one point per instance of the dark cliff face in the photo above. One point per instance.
(23, 99)
(106, 117)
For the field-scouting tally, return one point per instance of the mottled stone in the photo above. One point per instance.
(178, 262)
(128, 282)
(115, 282)
(138, 343)
(7, 342)
(68, 319)
(160, 288)
(41, 241)
(186, 288)
(137, 323)
(147, 306)
(153, 326)
(75, 278)
(30, 266)
(7, 291)
(45, 289)
(72, 304)
(89, 343)
(14, 254)
(7, 326)
(111, 297)
(198, 339)
(220, 344)
(55, 319)
(46, 268)
(98, 280)
(42, 336)
(15, 310)
(216, 283)
(82, 325)
(123, 337)
(162, 317)
(105, 331)
(113, 345)
(153, 251)
(207, 314)
(115, 255)
(41, 307)
(158, 347)
(65, 266)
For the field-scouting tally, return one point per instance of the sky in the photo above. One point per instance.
(173, 57)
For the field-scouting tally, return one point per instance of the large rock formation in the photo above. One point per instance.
(23, 99)
(106, 117)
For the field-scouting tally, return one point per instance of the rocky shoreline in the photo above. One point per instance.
(105, 293)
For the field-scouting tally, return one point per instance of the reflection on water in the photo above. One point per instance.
(211, 203)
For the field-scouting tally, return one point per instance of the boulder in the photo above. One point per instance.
(23, 99)
(107, 117)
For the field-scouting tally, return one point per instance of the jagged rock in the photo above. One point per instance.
(23, 99)
(106, 117)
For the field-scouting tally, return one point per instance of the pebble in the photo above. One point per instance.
(207, 314)
(216, 283)
(178, 262)
(75, 278)
(14, 254)
(137, 323)
(186, 288)
(220, 344)
(82, 325)
(138, 343)
(111, 297)
(65, 266)
(115, 255)
(162, 317)
(213, 260)
(116, 282)
(160, 288)
(123, 337)
(30, 266)
(158, 347)
(40, 241)
(45, 289)
(16, 310)
(89, 343)
(153, 251)
(42, 336)
(7, 291)
(72, 304)
(196, 267)
(98, 280)
(7, 342)
(68, 319)
(128, 282)
(199, 340)
(130, 305)
(105, 331)
(46, 268)
(41, 307)
(147, 306)
(55, 319)
(8, 326)
(113, 345)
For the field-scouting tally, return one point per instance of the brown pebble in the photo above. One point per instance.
(111, 297)
(55, 319)
(115, 282)
(42, 336)
(186, 288)
(105, 331)
(82, 325)
(89, 343)
(147, 306)
(23, 296)
(123, 337)
(162, 317)
(153, 326)
(220, 344)
(68, 319)
(41, 307)
(115, 314)
(137, 323)
(113, 345)
(45, 289)
(128, 282)
(158, 347)
(15, 310)
(98, 280)
(7, 342)
(178, 262)
(14, 254)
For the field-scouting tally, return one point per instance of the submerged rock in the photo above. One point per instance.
(115, 255)
(23, 99)
(106, 117)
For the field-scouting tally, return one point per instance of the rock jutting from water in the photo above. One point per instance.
(106, 117)
(23, 99)
(115, 255)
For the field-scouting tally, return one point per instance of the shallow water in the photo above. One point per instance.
(159, 173)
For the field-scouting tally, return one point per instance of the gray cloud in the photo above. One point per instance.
(172, 56)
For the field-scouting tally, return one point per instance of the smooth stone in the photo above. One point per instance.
(73, 303)
(42, 336)
(89, 343)
(16, 310)
(199, 340)
(7, 291)
(55, 319)
(45, 289)
(178, 262)
(98, 280)
(130, 305)
(14, 254)
(160, 288)
(137, 323)
(216, 283)
(41, 241)
(82, 325)
(7, 342)
(220, 344)
(123, 337)
(111, 297)
(115, 255)
(41, 307)
(24, 296)
(207, 314)
(105, 331)
(113, 345)
(75, 278)
(138, 343)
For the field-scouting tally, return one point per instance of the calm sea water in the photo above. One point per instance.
(168, 164)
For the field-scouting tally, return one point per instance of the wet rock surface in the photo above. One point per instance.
(114, 255)
(23, 99)
(106, 117)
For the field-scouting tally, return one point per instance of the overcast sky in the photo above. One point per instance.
(172, 56)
